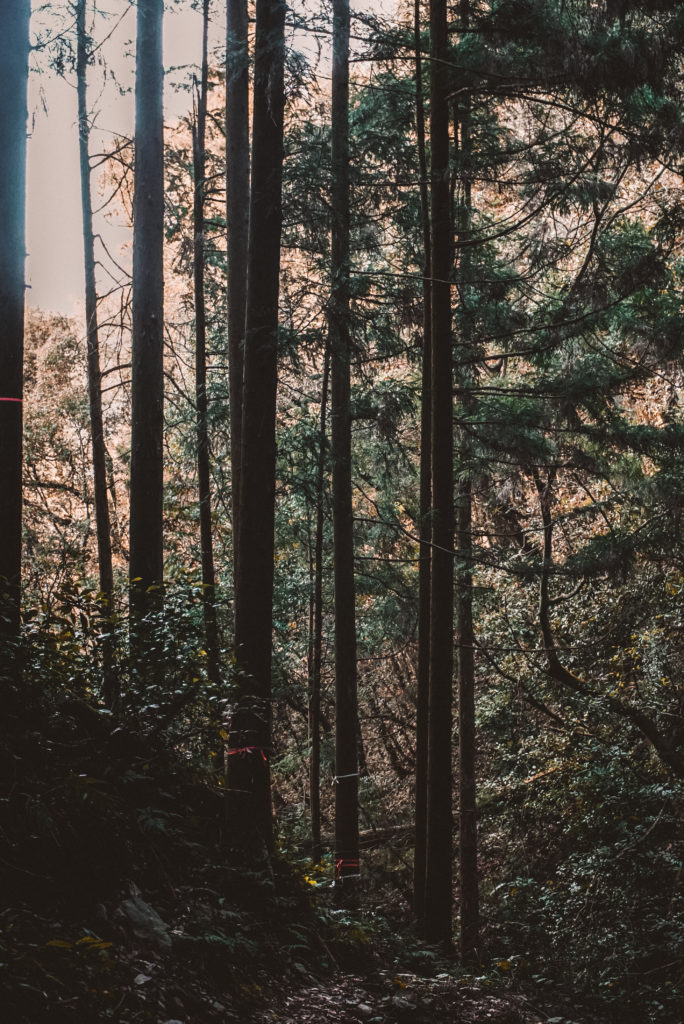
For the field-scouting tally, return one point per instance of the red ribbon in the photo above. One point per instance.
(345, 863)
(248, 750)
(11, 399)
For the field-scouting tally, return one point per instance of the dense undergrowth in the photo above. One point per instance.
(128, 894)
(124, 894)
(589, 894)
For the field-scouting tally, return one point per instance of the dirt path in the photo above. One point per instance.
(400, 999)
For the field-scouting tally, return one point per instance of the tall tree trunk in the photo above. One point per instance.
(438, 896)
(237, 227)
(251, 725)
(469, 901)
(346, 754)
(146, 567)
(425, 527)
(102, 523)
(317, 645)
(14, 52)
(203, 472)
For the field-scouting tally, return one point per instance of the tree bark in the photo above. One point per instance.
(317, 631)
(237, 227)
(147, 382)
(469, 896)
(346, 753)
(203, 468)
(14, 53)
(469, 900)
(425, 527)
(438, 895)
(251, 724)
(102, 522)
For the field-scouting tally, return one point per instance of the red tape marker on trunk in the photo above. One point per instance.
(248, 750)
(344, 863)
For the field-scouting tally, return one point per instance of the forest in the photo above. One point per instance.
(342, 558)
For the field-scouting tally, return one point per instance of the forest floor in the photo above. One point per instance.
(122, 899)
(387, 998)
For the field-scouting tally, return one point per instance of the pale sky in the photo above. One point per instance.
(54, 242)
(54, 239)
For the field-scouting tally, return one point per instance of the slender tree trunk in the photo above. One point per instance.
(313, 720)
(346, 754)
(237, 227)
(469, 900)
(251, 725)
(438, 895)
(425, 527)
(203, 471)
(14, 53)
(146, 567)
(102, 523)
(317, 646)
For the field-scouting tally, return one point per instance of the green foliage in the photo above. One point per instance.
(568, 329)
(580, 825)
(94, 812)
(603, 914)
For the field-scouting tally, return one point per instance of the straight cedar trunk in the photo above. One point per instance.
(237, 228)
(425, 528)
(203, 469)
(14, 53)
(317, 631)
(250, 739)
(438, 875)
(147, 414)
(469, 899)
(102, 522)
(346, 753)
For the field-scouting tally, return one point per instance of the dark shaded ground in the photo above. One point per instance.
(395, 999)
(125, 899)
